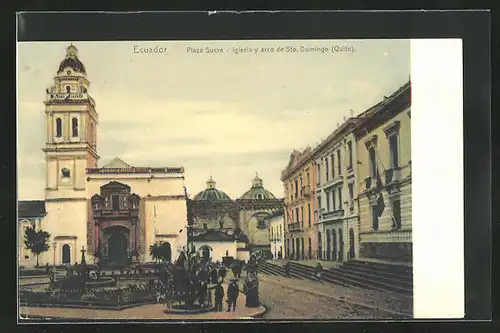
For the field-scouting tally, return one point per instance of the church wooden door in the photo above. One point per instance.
(117, 249)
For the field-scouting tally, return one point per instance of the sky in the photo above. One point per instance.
(222, 115)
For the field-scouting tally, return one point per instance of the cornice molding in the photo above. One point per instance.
(65, 199)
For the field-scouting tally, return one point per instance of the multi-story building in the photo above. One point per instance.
(300, 188)
(384, 178)
(276, 235)
(336, 192)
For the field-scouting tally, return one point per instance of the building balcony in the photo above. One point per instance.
(333, 214)
(392, 175)
(333, 182)
(296, 226)
(369, 183)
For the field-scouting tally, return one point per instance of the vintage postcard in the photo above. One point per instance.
(215, 180)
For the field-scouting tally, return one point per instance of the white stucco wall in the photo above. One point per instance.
(219, 249)
(66, 219)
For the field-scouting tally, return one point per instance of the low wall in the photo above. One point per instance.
(387, 251)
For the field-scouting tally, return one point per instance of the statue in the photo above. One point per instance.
(251, 286)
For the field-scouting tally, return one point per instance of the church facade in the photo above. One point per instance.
(116, 211)
(246, 219)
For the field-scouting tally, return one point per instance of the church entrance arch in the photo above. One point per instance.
(117, 245)
(66, 254)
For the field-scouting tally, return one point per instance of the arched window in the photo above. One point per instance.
(68, 89)
(74, 126)
(58, 127)
(260, 196)
(65, 173)
(66, 254)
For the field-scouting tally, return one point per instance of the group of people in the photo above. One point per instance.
(218, 272)
(232, 295)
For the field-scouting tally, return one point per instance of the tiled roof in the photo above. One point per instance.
(31, 208)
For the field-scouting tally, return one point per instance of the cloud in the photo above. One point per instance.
(228, 116)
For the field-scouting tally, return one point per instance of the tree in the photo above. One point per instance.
(36, 241)
(165, 251)
(154, 251)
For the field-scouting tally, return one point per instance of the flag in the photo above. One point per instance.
(380, 204)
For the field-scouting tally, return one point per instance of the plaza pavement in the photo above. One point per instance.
(143, 312)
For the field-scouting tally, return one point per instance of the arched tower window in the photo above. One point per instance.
(260, 196)
(74, 126)
(68, 89)
(58, 127)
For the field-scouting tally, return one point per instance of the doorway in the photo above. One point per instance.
(351, 244)
(117, 249)
(66, 254)
(341, 246)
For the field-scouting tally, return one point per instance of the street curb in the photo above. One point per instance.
(406, 315)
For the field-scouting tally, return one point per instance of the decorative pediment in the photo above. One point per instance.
(117, 163)
(371, 142)
(392, 128)
(114, 187)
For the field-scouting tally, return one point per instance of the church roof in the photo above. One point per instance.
(213, 235)
(211, 193)
(72, 61)
(257, 191)
(117, 163)
(31, 208)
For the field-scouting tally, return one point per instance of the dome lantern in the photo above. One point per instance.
(257, 182)
(71, 61)
(257, 191)
(211, 193)
(211, 183)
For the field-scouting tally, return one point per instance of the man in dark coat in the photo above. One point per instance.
(222, 273)
(218, 295)
(202, 293)
(232, 295)
(287, 268)
(213, 275)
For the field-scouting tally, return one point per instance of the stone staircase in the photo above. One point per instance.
(364, 274)
(276, 270)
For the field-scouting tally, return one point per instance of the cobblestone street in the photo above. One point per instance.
(298, 299)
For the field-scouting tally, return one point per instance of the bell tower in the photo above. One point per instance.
(71, 121)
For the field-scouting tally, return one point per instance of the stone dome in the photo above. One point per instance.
(211, 193)
(257, 191)
(72, 61)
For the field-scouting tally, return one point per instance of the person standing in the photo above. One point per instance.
(232, 295)
(202, 294)
(287, 268)
(213, 275)
(219, 295)
(319, 271)
(222, 273)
